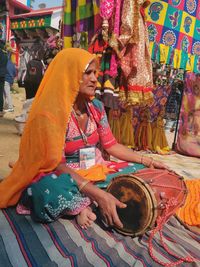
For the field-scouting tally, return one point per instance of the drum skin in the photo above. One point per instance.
(147, 194)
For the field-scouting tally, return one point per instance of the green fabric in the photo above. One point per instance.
(53, 195)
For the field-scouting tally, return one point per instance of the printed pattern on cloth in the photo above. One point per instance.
(54, 196)
(80, 17)
(189, 119)
(174, 33)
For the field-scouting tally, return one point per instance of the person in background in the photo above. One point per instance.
(3, 64)
(34, 73)
(9, 80)
(64, 122)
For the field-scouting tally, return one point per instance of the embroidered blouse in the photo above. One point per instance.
(97, 131)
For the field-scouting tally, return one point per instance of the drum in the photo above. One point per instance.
(149, 194)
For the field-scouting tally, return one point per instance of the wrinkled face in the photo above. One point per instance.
(89, 80)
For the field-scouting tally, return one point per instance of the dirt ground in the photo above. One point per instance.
(9, 139)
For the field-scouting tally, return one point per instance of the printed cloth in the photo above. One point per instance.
(80, 16)
(55, 195)
(189, 119)
(135, 59)
(174, 33)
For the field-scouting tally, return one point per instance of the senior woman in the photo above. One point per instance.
(65, 119)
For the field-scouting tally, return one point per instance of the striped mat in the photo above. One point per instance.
(63, 243)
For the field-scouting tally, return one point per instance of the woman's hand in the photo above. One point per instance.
(126, 154)
(151, 163)
(108, 207)
(107, 204)
(159, 165)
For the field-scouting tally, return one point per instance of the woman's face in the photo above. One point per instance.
(89, 80)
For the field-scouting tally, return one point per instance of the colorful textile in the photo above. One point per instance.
(55, 196)
(190, 212)
(97, 130)
(80, 16)
(52, 197)
(135, 60)
(43, 138)
(160, 98)
(189, 119)
(126, 70)
(108, 79)
(122, 127)
(63, 243)
(174, 33)
(185, 166)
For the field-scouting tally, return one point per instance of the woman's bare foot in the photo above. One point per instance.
(86, 217)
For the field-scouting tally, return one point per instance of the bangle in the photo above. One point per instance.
(83, 184)
(151, 161)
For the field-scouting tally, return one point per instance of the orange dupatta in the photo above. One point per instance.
(44, 134)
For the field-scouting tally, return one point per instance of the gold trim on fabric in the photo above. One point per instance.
(136, 98)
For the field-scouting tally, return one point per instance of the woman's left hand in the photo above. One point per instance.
(158, 165)
(151, 163)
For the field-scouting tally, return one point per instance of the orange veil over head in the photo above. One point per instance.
(44, 134)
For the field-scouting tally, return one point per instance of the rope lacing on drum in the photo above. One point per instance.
(160, 222)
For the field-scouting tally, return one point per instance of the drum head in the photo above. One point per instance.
(139, 215)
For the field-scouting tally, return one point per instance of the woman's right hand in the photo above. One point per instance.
(107, 204)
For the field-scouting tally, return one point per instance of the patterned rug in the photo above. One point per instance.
(188, 167)
(63, 243)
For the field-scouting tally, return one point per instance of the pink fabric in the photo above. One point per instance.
(188, 139)
(113, 66)
(22, 210)
(117, 17)
(106, 8)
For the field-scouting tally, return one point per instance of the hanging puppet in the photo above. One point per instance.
(135, 60)
(143, 135)
(108, 82)
(159, 140)
(125, 64)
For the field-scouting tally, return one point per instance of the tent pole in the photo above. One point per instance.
(177, 122)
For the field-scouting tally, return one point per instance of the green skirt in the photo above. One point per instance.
(54, 196)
